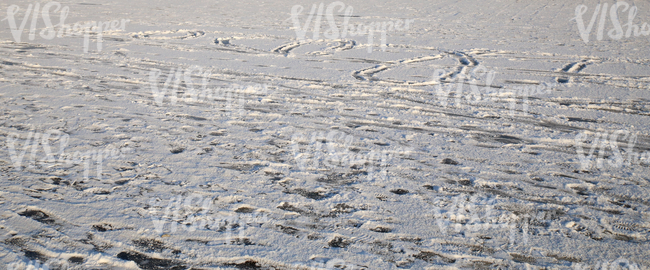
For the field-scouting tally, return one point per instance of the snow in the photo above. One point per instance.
(453, 145)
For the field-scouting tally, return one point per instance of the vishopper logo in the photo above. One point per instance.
(604, 141)
(615, 33)
(234, 95)
(193, 213)
(49, 33)
(35, 141)
(477, 95)
(474, 214)
(335, 151)
(620, 263)
(334, 32)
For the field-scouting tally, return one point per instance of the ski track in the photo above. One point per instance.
(526, 160)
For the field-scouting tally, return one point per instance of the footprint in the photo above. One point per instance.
(146, 262)
(574, 68)
(286, 48)
(39, 216)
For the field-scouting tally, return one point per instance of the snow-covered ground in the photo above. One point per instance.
(218, 135)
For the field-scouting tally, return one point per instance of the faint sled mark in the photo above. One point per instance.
(620, 263)
(476, 95)
(602, 141)
(193, 215)
(234, 95)
(77, 29)
(333, 33)
(475, 214)
(334, 151)
(48, 157)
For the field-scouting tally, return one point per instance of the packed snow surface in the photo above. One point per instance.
(237, 134)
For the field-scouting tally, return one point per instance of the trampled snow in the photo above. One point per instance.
(240, 135)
